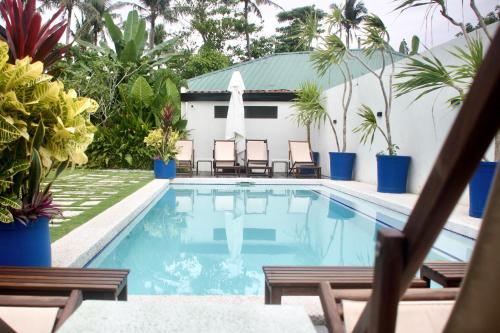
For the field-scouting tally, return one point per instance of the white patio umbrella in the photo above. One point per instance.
(235, 122)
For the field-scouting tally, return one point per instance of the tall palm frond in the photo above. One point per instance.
(334, 52)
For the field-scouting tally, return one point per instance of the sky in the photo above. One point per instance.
(400, 25)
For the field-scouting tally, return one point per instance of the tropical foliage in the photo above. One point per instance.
(335, 54)
(309, 106)
(42, 127)
(26, 36)
(163, 140)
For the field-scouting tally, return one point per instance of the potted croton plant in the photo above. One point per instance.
(43, 128)
(163, 141)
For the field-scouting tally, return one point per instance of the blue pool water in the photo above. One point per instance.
(214, 239)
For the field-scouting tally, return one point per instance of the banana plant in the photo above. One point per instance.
(147, 103)
(129, 44)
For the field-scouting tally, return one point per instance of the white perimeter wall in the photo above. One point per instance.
(418, 128)
(204, 128)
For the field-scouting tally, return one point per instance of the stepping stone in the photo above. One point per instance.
(63, 203)
(91, 203)
(72, 213)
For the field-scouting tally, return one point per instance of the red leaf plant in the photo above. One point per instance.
(26, 36)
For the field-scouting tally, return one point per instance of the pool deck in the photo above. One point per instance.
(79, 246)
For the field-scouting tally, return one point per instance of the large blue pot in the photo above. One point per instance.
(392, 173)
(480, 186)
(341, 165)
(25, 245)
(164, 170)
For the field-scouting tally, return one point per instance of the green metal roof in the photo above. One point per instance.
(282, 71)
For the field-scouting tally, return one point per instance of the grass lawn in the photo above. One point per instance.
(83, 194)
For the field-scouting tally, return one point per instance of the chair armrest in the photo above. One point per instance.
(330, 308)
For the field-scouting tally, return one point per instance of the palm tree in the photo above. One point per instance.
(93, 12)
(253, 6)
(155, 9)
(69, 5)
(348, 18)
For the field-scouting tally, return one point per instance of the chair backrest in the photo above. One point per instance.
(224, 150)
(256, 150)
(185, 150)
(473, 130)
(300, 152)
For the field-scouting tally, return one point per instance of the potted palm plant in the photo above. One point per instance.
(308, 107)
(392, 169)
(163, 141)
(336, 53)
(42, 129)
(426, 74)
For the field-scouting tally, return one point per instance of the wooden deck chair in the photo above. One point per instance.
(36, 313)
(400, 253)
(225, 157)
(257, 158)
(301, 159)
(185, 157)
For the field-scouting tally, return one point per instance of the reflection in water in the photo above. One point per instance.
(203, 240)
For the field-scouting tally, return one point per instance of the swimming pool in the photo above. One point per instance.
(214, 239)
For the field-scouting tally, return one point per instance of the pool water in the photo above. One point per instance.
(214, 239)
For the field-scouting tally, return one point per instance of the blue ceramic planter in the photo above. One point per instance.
(480, 186)
(25, 245)
(392, 173)
(164, 170)
(341, 165)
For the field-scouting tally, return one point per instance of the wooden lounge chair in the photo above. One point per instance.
(447, 274)
(303, 280)
(36, 313)
(185, 157)
(257, 158)
(99, 284)
(225, 157)
(301, 159)
(400, 253)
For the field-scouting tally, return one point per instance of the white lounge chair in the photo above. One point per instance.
(225, 157)
(257, 158)
(301, 159)
(185, 157)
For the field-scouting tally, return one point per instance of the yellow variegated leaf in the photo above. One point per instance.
(7, 202)
(8, 132)
(46, 92)
(45, 156)
(4, 53)
(22, 73)
(5, 215)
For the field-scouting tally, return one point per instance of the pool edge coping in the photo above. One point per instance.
(80, 245)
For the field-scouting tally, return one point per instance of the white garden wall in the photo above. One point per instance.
(418, 128)
(204, 128)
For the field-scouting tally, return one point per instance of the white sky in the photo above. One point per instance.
(433, 31)
(400, 26)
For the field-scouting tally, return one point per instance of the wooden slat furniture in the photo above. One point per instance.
(303, 280)
(100, 284)
(401, 253)
(447, 274)
(66, 304)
